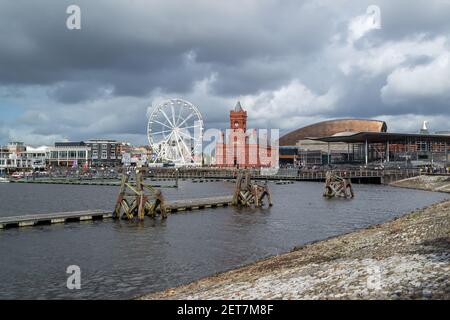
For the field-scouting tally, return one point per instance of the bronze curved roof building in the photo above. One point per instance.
(331, 127)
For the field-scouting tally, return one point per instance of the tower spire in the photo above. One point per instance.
(238, 107)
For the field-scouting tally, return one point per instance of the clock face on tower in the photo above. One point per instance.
(236, 124)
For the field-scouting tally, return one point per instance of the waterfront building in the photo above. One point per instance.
(359, 141)
(141, 155)
(297, 149)
(17, 156)
(105, 152)
(241, 148)
(124, 147)
(5, 161)
(16, 147)
(36, 157)
(69, 154)
(409, 149)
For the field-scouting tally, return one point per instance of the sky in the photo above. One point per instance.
(291, 63)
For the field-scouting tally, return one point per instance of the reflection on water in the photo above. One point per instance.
(121, 259)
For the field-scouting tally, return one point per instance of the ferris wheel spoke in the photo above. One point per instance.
(167, 118)
(173, 115)
(158, 154)
(185, 120)
(179, 116)
(186, 135)
(165, 125)
(159, 132)
(190, 127)
(166, 139)
(178, 146)
(186, 147)
(180, 151)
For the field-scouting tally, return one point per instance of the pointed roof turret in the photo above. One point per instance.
(424, 129)
(238, 107)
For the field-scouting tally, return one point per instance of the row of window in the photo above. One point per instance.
(68, 154)
(104, 146)
(104, 155)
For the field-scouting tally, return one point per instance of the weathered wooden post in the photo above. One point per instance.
(140, 197)
(135, 200)
(247, 193)
(336, 186)
(121, 196)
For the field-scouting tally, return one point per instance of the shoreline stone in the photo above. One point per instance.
(405, 258)
(425, 182)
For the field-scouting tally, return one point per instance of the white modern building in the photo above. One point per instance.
(36, 157)
(69, 154)
(17, 156)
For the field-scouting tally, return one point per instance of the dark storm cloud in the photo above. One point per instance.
(101, 79)
(150, 41)
(38, 49)
(404, 17)
(74, 92)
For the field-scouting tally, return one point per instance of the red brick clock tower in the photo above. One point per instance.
(238, 118)
(237, 150)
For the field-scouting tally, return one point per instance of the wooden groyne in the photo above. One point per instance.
(77, 216)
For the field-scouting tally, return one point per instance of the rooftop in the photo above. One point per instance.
(374, 137)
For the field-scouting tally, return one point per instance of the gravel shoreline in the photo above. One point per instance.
(407, 258)
(424, 182)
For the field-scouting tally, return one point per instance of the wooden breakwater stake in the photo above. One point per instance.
(137, 199)
(336, 186)
(248, 193)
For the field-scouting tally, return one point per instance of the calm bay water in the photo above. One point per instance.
(121, 259)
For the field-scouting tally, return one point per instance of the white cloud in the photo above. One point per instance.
(293, 62)
(412, 123)
(361, 25)
(374, 60)
(28, 136)
(293, 100)
(423, 81)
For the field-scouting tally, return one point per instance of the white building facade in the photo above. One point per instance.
(17, 156)
(69, 154)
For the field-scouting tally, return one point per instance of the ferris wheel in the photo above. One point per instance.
(175, 131)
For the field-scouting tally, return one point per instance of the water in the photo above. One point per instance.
(121, 259)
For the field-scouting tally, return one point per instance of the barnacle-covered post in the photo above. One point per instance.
(137, 199)
(247, 193)
(336, 186)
